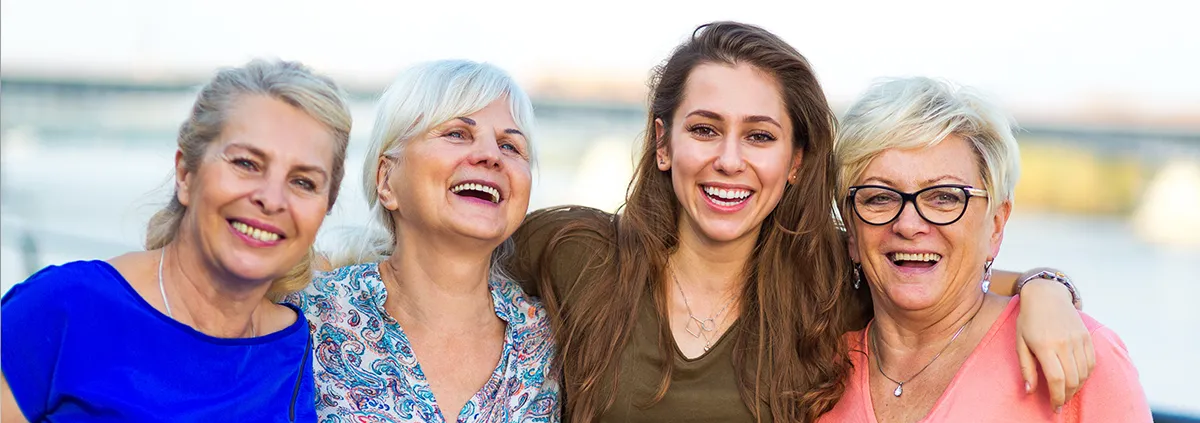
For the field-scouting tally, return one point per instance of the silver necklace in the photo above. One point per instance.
(900, 384)
(702, 328)
(162, 257)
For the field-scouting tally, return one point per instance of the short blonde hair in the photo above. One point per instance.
(920, 112)
(424, 96)
(290, 82)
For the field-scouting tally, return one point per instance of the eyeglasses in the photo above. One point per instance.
(939, 204)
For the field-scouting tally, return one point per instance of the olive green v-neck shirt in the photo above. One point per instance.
(704, 389)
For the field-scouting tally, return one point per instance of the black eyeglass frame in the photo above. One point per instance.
(906, 198)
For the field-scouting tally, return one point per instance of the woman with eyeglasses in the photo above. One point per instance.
(928, 171)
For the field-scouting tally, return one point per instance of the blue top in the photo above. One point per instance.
(79, 344)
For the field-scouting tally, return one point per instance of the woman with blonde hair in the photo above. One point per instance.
(926, 188)
(189, 330)
(420, 322)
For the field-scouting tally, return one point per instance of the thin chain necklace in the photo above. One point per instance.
(162, 257)
(900, 384)
(703, 328)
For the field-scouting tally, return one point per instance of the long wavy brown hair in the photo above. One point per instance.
(788, 349)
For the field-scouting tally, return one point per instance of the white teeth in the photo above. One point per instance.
(256, 233)
(478, 187)
(733, 196)
(932, 257)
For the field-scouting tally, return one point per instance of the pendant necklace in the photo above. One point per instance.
(702, 328)
(900, 383)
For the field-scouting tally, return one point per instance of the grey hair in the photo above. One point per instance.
(422, 97)
(919, 112)
(290, 82)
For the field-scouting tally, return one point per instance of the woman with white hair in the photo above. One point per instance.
(420, 324)
(189, 329)
(928, 171)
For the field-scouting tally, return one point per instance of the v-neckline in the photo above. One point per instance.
(865, 376)
(494, 379)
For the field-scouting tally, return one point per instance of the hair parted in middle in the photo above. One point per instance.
(788, 351)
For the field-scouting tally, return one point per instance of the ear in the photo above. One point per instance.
(383, 172)
(998, 222)
(794, 171)
(852, 245)
(183, 180)
(662, 154)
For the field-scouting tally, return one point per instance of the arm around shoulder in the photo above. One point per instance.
(554, 245)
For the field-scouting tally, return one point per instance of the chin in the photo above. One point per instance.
(254, 268)
(721, 231)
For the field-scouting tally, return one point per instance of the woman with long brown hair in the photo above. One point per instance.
(721, 292)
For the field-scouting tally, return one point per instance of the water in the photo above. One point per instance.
(79, 197)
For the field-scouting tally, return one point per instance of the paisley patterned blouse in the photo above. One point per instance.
(365, 369)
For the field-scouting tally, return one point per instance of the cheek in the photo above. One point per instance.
(771, 166)
(309, 214)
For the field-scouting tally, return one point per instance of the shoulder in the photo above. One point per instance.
(527, 315)
(543, 224)
(524, 310)
(1113, 389)
(1106, 343)
(59, 284)
(345, 281)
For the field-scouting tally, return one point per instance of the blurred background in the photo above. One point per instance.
(92, 93)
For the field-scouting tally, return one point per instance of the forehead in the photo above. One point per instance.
(737, 90)
(916, 167)
(280, 130)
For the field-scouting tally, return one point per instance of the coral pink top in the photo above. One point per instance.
(989, 387)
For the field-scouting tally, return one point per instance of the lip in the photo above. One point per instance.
(485, 183)
(257, 225)
(723, 185)
(723, 208)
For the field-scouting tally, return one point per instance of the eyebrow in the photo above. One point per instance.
(262, 154)
(471, 122)
(925, 183)
(748, 119)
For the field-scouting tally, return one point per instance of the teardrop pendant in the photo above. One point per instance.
(899, 390)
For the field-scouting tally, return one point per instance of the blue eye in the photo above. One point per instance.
(246, 164)
(457, 134)
(510, 147)
(305, 184)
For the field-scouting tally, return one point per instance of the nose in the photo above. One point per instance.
(729, 159)
(485, 152)
(271, 195)
(909, 223)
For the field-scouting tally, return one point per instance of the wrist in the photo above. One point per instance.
(1041, 279)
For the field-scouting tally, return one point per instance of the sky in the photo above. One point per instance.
(1141, 55)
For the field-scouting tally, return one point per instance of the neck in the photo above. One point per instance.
(434, 281)
(900, 333)
(206, 298)
(708, 265)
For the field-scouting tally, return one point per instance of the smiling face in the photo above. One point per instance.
(730, 151)
(260, 192)
(911, 263)
(467, 177)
